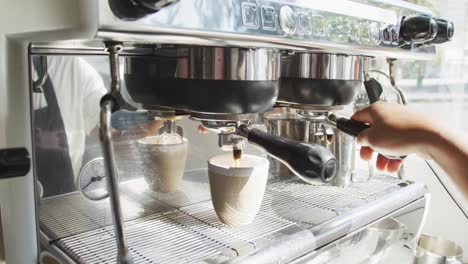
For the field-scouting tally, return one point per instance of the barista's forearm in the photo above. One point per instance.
(450, 150)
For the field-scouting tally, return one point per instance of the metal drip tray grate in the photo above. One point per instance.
(71, 214)
(167, 229)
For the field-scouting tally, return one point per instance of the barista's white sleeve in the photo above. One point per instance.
(93, 91)
(79, 88)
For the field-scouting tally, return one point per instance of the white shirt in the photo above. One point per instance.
(78, 88)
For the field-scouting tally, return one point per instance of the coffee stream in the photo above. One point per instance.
(237, 154)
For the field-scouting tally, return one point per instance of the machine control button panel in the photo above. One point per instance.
(272, 18)
(250, 16)
(287, 20)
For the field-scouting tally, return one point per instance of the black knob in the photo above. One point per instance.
(307, 160)
(373, 89)
(135, 9)
(14, 162)
(155, 5)
(419, 28)
(445, 31)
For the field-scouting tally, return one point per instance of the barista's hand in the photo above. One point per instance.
(202, 130)
(396, 130)
(150, 128)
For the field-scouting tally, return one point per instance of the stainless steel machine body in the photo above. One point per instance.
(242, 80)
(177, 47)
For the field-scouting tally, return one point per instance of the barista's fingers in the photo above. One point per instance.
(394, 165)
(115, 132)
(366, 153)
(202, 130)
(381, 163)
(363, 115)
(363, 138)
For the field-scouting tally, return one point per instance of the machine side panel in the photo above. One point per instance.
(36, 21)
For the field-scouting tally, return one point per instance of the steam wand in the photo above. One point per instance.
(110, 103)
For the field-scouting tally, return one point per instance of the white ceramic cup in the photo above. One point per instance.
(237, 192)
(165, 162)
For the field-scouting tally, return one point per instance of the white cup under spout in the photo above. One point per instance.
(237, 191)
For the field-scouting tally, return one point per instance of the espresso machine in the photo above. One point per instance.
(274, 74)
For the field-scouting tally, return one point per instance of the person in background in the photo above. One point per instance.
(398, 131)
(65, 112)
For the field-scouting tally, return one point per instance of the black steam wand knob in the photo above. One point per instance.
(445, 31)
(131, 10)
(419, 28)
(307, 160)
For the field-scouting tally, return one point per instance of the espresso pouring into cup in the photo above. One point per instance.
(237, 189)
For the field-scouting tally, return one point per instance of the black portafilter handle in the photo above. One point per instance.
(307, 160)
(353, 128)
(350, 127)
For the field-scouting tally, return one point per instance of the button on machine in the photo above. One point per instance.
(250, 15)
(354, 32)
(394, 36)
(318, 25)
(365, 33)
(287, 20)
(268, 18)
(305, 23)
(386, 36)
(375, 33)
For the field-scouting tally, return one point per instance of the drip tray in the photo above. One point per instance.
(182, 227)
